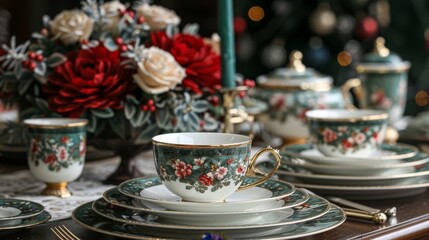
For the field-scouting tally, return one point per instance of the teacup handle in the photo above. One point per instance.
(354, 84)
(255, 170)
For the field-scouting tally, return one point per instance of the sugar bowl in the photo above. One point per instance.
(290, 92)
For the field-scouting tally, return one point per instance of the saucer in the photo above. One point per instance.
(87, 218)
(387, 154)
(12, 209)
(411, 188)
(407, 166)
(313, 208)
(26, 222)
(152, 190)
(113, 196)
(364, 180)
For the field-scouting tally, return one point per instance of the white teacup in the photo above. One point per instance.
(347, 133)
(206, 167)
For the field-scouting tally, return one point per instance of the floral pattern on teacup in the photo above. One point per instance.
(205, 173)
(349, 138)
(57, 152)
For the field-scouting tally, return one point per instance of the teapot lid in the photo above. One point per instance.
(382, 60)
(295, 77)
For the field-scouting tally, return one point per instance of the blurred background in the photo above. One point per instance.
(332, 34)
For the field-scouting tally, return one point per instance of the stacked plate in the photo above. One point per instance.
(17, 213)
(144, 208)
(393, 171)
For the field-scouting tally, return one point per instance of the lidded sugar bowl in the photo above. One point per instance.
(290, 92)
(381, 83)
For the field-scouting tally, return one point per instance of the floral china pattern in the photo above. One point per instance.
(284, 105)
(347, 138)
(380, 100)
(57, 152)
(205, 173)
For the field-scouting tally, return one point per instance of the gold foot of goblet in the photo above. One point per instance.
(57, 190)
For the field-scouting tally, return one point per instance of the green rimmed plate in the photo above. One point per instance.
(152, 190)
(249, 216)
(26, 222)
(86, 217)
(387, 154)
(12, 209)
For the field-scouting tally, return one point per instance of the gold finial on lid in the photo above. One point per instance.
(295, 62)
(380, 48)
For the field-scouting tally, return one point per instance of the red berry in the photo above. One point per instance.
(25, 63)
(214, 101)
(131, 14)
(140, 20)
(249, 83)
(31, 66)
(121, 12)
(202, 123)
(124, 48)
(150, 102)
(84, 41)
(119, 41)
(152, 108)
(39, 57)
(144, 108)
(242, 94)
(31, 55)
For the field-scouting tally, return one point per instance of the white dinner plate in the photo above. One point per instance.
(152, 190)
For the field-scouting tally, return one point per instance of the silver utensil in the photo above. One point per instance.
(390, 212)
(63, 233)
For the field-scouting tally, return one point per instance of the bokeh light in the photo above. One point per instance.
(422, 98)
(256, 13)
(344, 58)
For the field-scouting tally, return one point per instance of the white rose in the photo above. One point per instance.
(112, 15)
(157, 17)
(158, 71)
(71, 26)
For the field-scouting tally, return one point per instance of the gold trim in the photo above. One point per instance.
(155, 142)
(317, 87)
(371, 117)
(56, 189)
(81, 123)
(383, 69)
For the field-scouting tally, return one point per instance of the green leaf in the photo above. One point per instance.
(18, 70)
(130, 110)
(137, 119)
(118, 125)
(100, 127)
(56, 59)
(162, 117)
(92, 123)
(147, 134)
(24, 85)
(194, 120)
(132, 99)
(200, 106)
(42, 104)
(103, 113)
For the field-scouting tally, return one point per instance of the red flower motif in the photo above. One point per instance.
(182, 169)
(205, 180)
(90, 79)
(229, 161)
(202, 64)
(240, 170)
(329, 135)
(346, 143)
(50, 159)
(64, 139)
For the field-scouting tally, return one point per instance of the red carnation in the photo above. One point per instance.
(90, 79)
(205, 180)
(202, 64)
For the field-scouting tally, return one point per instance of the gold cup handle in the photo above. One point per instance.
(355, 85)
(253, 168)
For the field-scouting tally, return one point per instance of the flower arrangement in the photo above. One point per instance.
(126, 68)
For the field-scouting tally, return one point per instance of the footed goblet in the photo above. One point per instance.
(56, 152)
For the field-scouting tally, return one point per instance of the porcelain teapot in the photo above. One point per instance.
(290, 92)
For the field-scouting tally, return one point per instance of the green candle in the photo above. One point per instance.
(226, 33)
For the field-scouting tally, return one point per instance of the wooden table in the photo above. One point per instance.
(411, 222)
